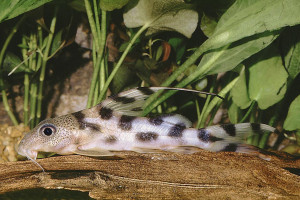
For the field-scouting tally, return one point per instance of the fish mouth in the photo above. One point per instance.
(30, 154)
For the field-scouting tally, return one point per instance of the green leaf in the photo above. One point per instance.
(234, 113)
(212, 11)
(161, 15)
(240, 92)
(110, 5)
(77, 5)
(123, 79)
(11, 61)
(13, 8)
(57, 41)
(236, 52)
(292, 121)
(250, 17)
(267, 80)
(267, 77)
(208, 25)
(291, 49)
(179, 46)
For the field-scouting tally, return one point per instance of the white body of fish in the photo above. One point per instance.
(115, 125)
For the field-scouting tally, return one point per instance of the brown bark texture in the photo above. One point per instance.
(203, 175)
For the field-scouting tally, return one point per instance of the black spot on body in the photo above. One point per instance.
(105, 113)
(255, 127)
(93, 127)
(176, 131)
(124, 100)
(82, 124)
(156, 120)
(230, 147)
(206, 137)
(80, 119)
(145, 90)
(78, 115)
(125, 122)
(146, 136)
(229, 129)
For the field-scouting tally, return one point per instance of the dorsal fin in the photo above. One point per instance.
(131, 102)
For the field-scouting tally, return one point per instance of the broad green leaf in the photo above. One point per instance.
(110, 5)
(292, 121)
(212, 11)
(13, 8)
(161, 15)
(208, 25)
(237, 52)
(267, 77)
(239, 92)
(291, 50)
(250, 17)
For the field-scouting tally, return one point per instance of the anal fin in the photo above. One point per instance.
(185, 149)
(250, 150)
(146, 150)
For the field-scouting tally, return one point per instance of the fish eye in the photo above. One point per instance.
(48, 129)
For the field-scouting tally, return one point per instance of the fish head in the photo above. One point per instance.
(57, 135)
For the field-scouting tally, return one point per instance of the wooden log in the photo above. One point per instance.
(163, 176)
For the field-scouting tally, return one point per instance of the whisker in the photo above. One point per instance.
(34, 161)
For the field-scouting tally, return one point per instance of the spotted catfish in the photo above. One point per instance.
(115, 125)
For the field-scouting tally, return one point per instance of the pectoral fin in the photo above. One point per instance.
(93, 152)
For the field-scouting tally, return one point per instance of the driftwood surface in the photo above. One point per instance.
(203, 175)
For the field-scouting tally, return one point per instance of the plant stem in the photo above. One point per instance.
(33, 99)
(97, 62)
(263, 140)
(94, 79)
(102, 74)
(96, 93)
(248, 112)
(198, 112)
(44, 63)
(33, 84)
(101, 51)
(26, 85)
(201, 122)
(2, 86)
(116, 68)
(92, 22)
(222, 93)
(98, 31)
